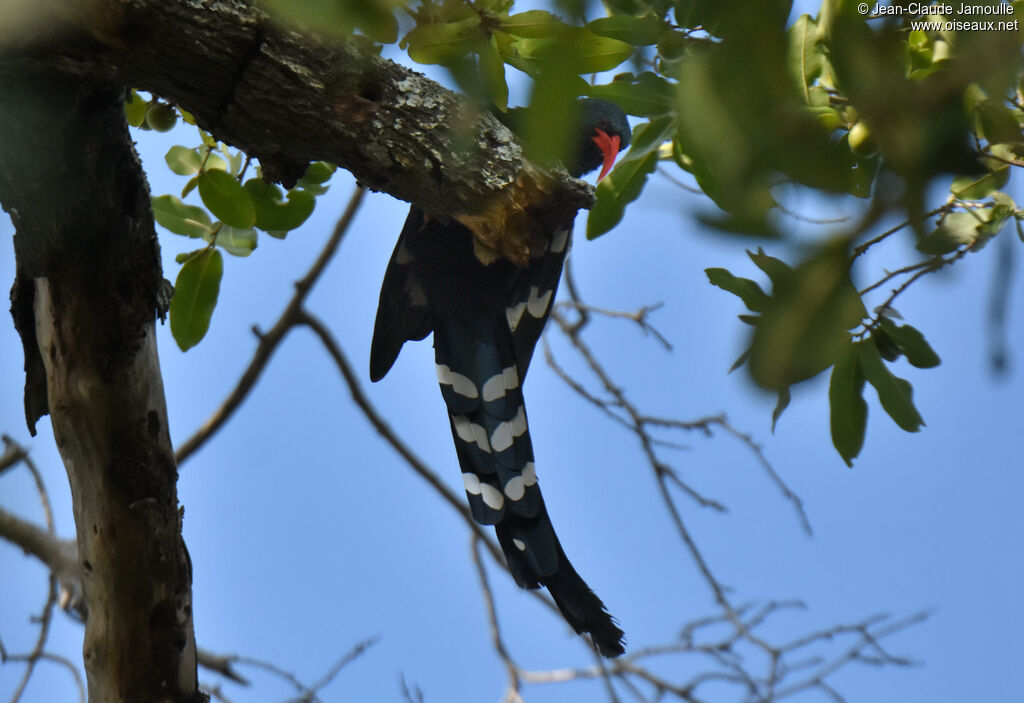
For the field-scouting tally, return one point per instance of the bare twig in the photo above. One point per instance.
(269, 341)
(512, 693)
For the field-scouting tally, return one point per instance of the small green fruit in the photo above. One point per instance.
(161, 117)
(862, 141)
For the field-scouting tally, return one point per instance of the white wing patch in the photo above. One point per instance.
(506, 432)
(497, 384)
(492, 496)
(514, 314)
(472, 483)
(471, 432)
(529, 474)
(459, 383)
(515, 489)
(537, 305)
(558, 241)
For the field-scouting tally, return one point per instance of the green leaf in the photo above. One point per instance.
(805, 57)
(590, 53)
(848, 411)
(190, 186)
(374, 19)
(238, 242)
(534, 24)
(215, 162)
(894, 393)
(492, 74)
(273, 214)
(317, 173)
(672, 46)
(912, 343)
(174, 215)
(998, 123)
(646, 95)
(748, 291)
(649, 136)
(887, 347)
(627, 7)
(742, 359)
(805, 324)
(183, 161)
(195, 297)
(227, 199)
(638, 31)
(778, 270)
(956, 230)
(443, 42)
(619, 188)
(979, 187)
(575, 50)
(994, 220)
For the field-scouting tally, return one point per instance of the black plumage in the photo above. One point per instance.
(486, 319)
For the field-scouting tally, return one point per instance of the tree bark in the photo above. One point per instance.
(84, 302)
(289, 98)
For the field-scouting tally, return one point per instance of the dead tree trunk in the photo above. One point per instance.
(84, 302)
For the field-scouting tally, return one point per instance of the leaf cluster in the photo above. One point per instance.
(234, 210)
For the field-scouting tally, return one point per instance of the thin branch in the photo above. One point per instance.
(810, 220)
(63, 662)
(512, 693)
(639, 317)
(346, 659)
(222, 664)
(385, 431)
(862, 248)
(269, 342)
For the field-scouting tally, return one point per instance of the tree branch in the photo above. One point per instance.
(288, 98)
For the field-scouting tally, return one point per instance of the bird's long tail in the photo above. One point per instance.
(536, 558)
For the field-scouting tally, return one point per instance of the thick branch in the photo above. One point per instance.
(288, 98)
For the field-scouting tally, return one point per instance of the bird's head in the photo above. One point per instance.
(604, 132)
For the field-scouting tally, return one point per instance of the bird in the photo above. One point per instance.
(486, 313)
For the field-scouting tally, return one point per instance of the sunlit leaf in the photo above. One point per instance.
(956, 230)
(638, 31)
(646, 95)
(441, 42)
(237, 242)
(195, 297)
(171, 213)
(227, 199)
(979, 187)
(532, 24)
(273, 213)
(183, 161)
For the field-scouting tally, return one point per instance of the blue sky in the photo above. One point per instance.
(308, 534)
